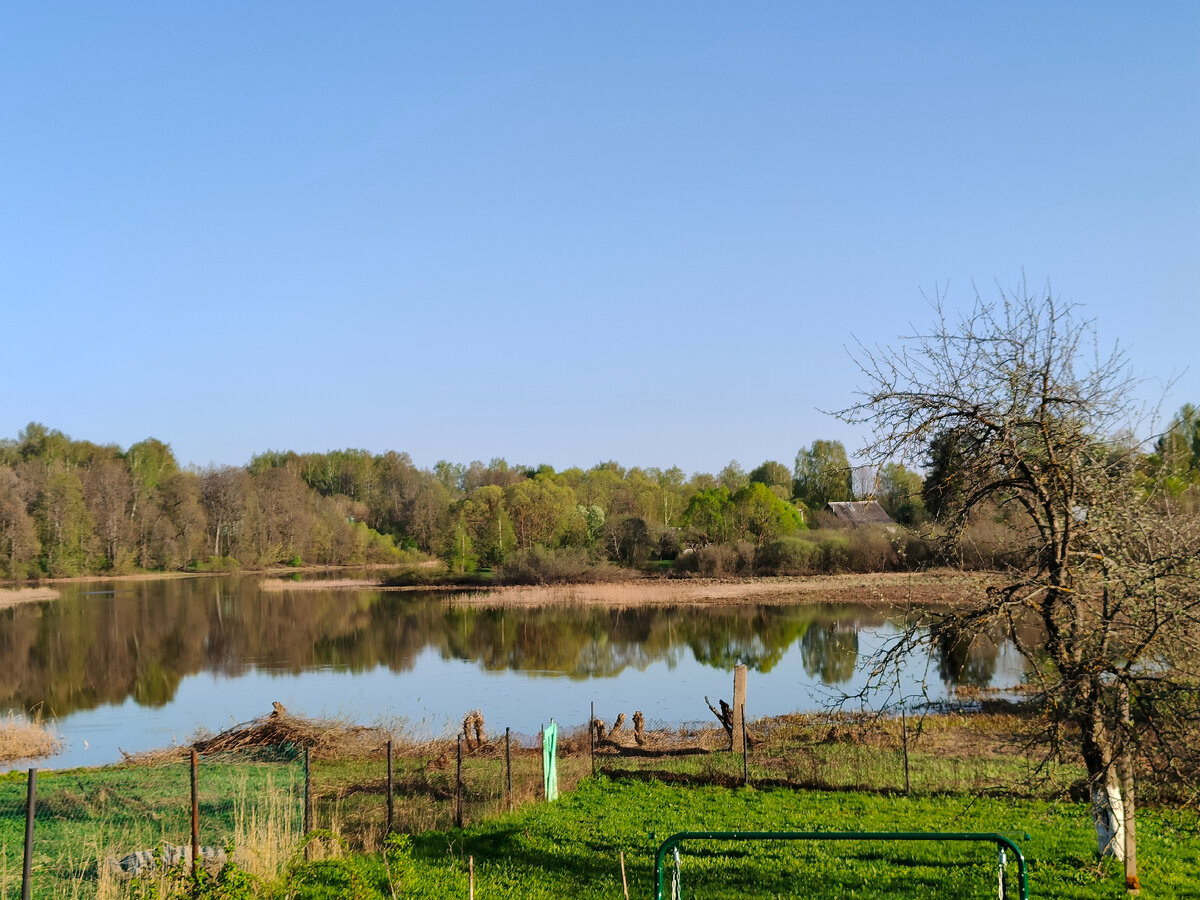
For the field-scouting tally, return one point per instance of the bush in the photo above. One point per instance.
(545, 565)
(687, 561)
(719, 560)
(871, 550)
(215, 564)
(787, 556)
(835, 551)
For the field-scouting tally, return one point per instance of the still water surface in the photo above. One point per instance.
(137, 665)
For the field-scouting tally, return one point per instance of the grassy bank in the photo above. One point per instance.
(572, 848)
(967, 773)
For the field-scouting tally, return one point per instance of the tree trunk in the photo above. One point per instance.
(1108, 813)
(1130, 844)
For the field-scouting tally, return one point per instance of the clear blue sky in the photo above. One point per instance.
(563, 232)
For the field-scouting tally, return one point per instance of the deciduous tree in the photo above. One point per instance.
(1111, 571)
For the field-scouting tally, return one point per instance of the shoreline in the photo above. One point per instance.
(938, 587)
(10, 597)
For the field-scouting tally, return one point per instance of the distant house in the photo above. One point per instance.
(853, 513)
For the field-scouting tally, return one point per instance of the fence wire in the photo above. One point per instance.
(95, 828)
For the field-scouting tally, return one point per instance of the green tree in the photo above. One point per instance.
(823, 474)
(710, 515)
(733, 478)
(540, 510)
(763, 516)
(900, 493)
(774, 475)
(64, 525)
(1176, 457)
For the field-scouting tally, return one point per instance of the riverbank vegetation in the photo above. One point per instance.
(24, 738)
(804, 772)
(72, 507)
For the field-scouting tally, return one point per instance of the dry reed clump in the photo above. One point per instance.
(280, 732)
(16, 596)
(22, 738)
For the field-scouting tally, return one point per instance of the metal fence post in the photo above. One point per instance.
(391, 806)
(508, 766)
(745, 750)
(458, 791)
(30, 808)
(307, 790)
(195, 820)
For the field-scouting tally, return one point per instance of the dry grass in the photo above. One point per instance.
(21, 738)
(266, 835)
(327, 738)
(16, 596)
(882, 588)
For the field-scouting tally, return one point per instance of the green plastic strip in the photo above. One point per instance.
(549, 760)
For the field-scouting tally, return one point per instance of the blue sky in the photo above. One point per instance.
(565, 233)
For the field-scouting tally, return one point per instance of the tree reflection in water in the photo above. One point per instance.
(143, 638)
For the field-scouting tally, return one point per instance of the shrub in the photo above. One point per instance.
(718, 560)
(835, 551)
(546, 565)
(787, 556)
(871, 550)
(215, 564)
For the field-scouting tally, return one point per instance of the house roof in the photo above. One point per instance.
(860, 512)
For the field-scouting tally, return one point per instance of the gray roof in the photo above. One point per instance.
(860, 512)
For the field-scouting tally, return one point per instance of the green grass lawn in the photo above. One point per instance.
(571, 848)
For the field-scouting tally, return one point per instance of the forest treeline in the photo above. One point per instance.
(73, 507)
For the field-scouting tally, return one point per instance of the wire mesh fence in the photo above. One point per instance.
(95, 828)
(264, 805)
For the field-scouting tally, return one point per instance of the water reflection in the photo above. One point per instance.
(101, 644)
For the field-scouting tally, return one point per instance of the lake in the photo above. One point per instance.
(136, 665)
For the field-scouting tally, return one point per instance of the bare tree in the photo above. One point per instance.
(1040, 421)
